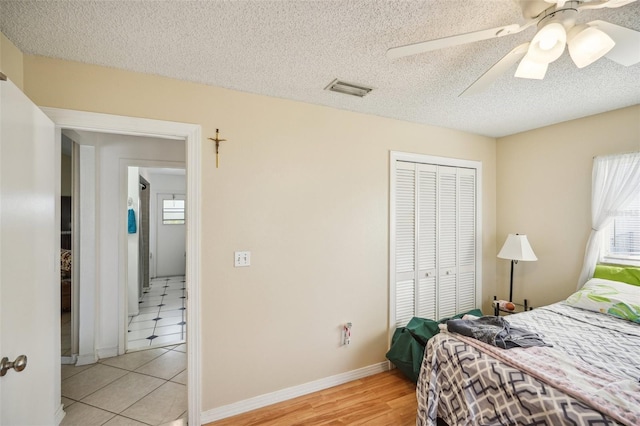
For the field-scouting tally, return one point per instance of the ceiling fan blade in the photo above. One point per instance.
(559, 3)
(626, 51)
(456, 40)
(497, 70)
(604, 3)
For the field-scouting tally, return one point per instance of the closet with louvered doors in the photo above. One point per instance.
(435, 237)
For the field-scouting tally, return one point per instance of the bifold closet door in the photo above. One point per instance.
(456, 240)
(435, 240)
(405, 242)
(467, 239)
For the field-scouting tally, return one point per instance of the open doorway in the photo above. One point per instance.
(106, 264)
(157, 311)
(192, 134)
(67, 338)
(144, 253)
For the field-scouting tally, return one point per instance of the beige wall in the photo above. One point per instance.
(11, 61)
(305, 189)
(544, 191)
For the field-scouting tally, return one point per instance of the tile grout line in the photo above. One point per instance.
(153, 333)
(165, 381)
(133, 403)
(124, 369)
(119, 368)
(113, 412)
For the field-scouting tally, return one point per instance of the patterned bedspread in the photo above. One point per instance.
(590, 375)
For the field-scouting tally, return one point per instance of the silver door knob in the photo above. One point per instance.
(19, 364)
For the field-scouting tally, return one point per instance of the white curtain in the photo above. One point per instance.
(615, 179)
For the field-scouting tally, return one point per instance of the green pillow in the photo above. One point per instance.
(624, 274)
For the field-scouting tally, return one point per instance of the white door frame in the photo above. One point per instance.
(191, 133)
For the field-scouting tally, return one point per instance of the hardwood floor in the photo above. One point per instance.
(383, 399)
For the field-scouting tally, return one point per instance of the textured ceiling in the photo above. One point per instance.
(293, 49)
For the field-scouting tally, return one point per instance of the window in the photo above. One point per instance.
(622, 236)
(173, 212)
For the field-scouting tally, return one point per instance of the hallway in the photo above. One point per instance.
(162, 317)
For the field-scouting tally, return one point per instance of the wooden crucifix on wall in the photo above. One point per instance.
(217, 140)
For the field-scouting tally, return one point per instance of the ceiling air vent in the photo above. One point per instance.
(348, 88)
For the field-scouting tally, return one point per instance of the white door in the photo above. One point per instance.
(170, 235)
(434, 240)
(29, 291)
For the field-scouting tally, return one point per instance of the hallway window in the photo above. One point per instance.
(173, 212)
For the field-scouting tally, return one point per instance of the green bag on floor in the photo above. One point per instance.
(408, 343)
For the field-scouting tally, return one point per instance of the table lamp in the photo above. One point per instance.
(516, 248)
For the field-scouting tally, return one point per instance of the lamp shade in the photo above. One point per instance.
(517, 247)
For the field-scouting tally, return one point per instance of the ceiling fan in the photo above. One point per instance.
(557, 28)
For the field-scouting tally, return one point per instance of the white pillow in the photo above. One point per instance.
(609, 297)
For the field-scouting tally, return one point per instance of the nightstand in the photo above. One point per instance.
(520, 307)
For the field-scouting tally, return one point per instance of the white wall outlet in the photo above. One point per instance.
(242, 258)
(346, 334)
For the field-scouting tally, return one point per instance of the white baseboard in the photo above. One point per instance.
(107, 352)
(290, 393)
(86, 359)
(69, 360)
(59, 415)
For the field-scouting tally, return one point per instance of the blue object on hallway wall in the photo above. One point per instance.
(131, 222)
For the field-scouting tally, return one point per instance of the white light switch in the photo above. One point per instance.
(242, 258)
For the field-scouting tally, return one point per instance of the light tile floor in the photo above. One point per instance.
(138, 388)
(162, 319)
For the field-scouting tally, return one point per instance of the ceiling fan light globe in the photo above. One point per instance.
(588, 44)
(548, 43)
(531, 69)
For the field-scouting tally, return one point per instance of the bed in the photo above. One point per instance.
(591, 375)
